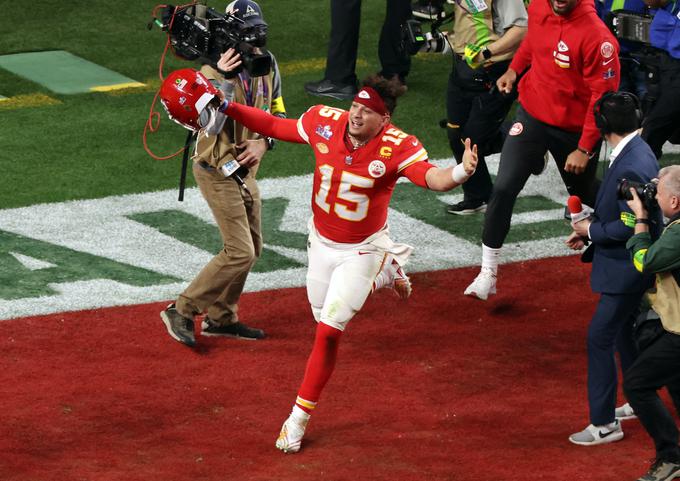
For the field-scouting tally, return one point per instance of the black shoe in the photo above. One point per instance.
(662, 471)
(467, 207)
(238, 329)
(328, 88)
(179, 327)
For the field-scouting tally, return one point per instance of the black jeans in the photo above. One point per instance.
(655, 367)
(522, 155)
(476, 111)
(344, 41)
(661, 122)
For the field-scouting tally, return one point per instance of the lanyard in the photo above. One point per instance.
(248, 83)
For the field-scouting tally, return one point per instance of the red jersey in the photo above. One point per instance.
(574, 60)
(353, 188)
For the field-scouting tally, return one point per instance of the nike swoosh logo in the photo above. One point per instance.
(363, 253)
(604, 435)
(607, 61)
(415, 142)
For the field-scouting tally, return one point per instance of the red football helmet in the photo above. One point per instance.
(184, 94)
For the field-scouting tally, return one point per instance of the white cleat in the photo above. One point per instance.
(290, 437)
(401, 283)
(483, 286)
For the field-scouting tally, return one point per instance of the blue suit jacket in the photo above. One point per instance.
(613, 271)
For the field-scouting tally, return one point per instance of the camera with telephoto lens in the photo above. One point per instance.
(414, 40)
(201, 33)
(645, 191)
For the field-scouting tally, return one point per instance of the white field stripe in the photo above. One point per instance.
(100, 227)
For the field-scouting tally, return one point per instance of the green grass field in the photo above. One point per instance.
(90, 145)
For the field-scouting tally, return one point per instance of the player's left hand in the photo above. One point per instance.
(576, 162)
(470, 157)
(252, 152)
(473, 56)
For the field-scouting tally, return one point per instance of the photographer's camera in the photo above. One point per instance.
(645, 191)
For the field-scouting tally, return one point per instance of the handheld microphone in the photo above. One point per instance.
(576, 210)
(236, 171)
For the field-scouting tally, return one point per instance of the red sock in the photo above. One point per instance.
(320, 366)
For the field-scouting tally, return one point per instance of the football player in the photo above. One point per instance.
(359, 157)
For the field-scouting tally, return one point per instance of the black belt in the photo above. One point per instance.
(204, 165)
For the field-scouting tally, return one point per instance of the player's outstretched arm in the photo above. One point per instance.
(264, 123)
(443, 179)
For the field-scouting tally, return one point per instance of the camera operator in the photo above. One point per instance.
(486, 35)
(658, 364)
(661, 122)
(617, 116)
(234, 202)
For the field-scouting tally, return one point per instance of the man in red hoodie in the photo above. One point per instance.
(572, 59)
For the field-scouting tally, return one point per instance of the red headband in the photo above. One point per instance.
(368, 97)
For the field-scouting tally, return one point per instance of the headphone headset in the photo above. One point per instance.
(601, 121)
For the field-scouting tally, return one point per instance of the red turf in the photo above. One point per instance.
(442, 387)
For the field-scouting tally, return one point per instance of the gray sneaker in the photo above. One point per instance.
(328, 88)
(593, 435)
(179, 327)
(662, 471)
(625, 412)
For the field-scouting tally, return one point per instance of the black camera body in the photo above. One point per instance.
(414, 40)
(201, 33)
(645, 191)
(630, 26)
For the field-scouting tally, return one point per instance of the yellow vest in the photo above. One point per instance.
(475, 28)
(665, 298)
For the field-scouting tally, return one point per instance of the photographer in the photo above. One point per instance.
(483, 44)
(235, 205)
(661, 122)
(659, 364)
(617, 116)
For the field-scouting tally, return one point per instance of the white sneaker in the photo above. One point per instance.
(290, 437)
(625, 412)
(483, 286)
(593, 435)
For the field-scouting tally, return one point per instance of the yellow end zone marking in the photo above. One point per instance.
(310, 64)
(107, 88)
(27, 100)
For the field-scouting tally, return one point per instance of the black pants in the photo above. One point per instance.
(474, 110)
(662, 120)
(344, 41)
(655, 367)
(522, 155)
